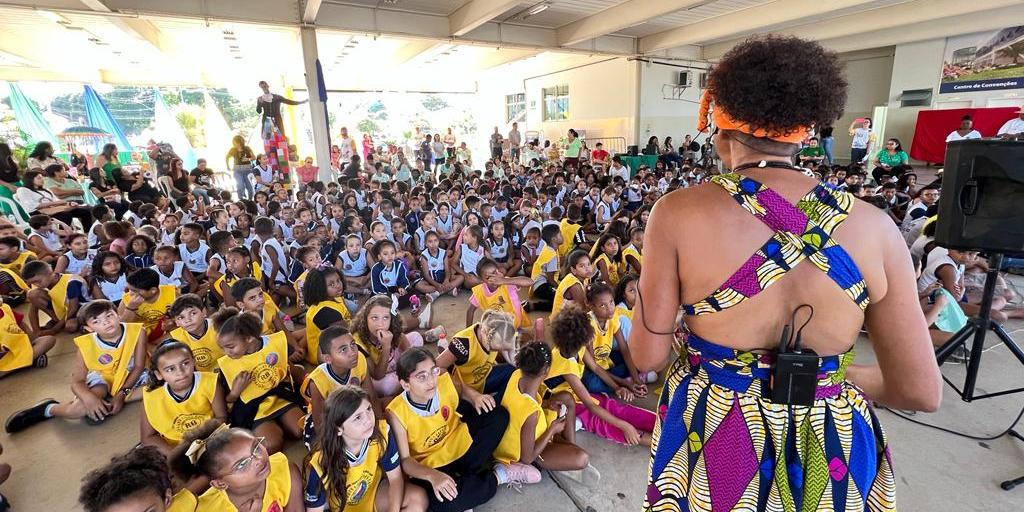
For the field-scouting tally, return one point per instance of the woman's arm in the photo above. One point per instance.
(907, 376)
(654, 315)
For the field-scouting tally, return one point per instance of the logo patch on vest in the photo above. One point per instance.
(106, 358)
(272, 358)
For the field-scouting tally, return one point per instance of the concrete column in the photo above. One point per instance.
(317, 108)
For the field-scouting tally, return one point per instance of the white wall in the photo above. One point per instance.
(868, 74)
(661, 114)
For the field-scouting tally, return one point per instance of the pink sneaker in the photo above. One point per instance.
(519, 474)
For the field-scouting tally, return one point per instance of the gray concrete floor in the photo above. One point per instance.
(935, 471)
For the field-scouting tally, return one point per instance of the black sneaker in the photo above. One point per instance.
(25, 418)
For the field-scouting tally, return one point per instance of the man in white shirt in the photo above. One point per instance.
(515, 140)
(347, 145)
(1014, 128)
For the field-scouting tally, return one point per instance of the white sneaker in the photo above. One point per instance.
(651, 377)
(579, 424)
(434, 295)
(394, 304)
(519, 474)
(424, 315)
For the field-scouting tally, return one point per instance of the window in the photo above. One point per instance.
(556, 103)
(515, 105)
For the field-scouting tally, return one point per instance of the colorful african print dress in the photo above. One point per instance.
(720, 443)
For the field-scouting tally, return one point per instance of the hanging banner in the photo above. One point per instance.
(986, 61)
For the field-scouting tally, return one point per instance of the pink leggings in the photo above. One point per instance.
(641, 419)
(389, 386)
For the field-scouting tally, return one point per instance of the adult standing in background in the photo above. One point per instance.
(347, 146)
(573, 146)
(496, 143)
(107, 160)
(863, 137)
(425, 152)
(437, 148)
(42, 157)
(720, 426)
(367, 145)
(239, 159)
(827, 141)
(1013, 128)
(449, 143)
(515, 142)
(965, 131)
(269, 105)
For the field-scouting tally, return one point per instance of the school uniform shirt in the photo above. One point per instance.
(326, 380)
(500, 251)
(205, 349)
(435, 264)
(365, 471)
(353, 266)
(166, 237)
(320, 316)
(68, 287)
(383, 278)
(572, 235)
(631, 250)
(614, 270)
(49, 238)
(270, 312)
(140, 260)
(75, 265)
(520, 407)
(195, 260)
(112, 290)
(472, 362)
(275, 494)
(271, 251)
(183, 501)
(172, 415)
(268, 366)
(228, 279)
(151, 313)
(437, 435)
(174, 278)
(15, 345)
(112, 361)
(469, 258)
(505, 298)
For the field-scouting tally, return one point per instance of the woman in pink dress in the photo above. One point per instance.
(367, 146)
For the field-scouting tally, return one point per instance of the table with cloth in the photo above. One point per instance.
(934, 125)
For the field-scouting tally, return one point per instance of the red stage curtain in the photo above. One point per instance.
(934, 125)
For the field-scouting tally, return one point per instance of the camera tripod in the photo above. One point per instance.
(975, 331)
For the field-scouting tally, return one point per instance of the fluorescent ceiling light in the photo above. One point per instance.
(50, 15)
(537, 9)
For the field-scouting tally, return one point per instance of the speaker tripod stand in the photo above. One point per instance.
(975, 332)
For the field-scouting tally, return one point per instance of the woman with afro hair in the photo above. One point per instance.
(739, 426)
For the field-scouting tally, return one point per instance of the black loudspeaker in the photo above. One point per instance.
(633, 150)
(982, 203)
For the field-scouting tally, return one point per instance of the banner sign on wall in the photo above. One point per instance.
(986, 61)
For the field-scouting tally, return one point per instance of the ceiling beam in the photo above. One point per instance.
(475, 13)
(310, 10)
(902, 16)
(618, 17)
(137, 28)
(413, 49)
(979, 21)
(744, 22)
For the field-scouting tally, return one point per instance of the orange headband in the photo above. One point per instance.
(724, 121)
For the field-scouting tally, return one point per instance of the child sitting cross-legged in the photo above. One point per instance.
(109, 369)
(57, 295)
(17, 349)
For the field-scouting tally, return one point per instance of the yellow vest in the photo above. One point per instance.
(439, 439)
(569, 231)
(372, 351)
(275, 494)
(546, 255)
(568, 281)
(297, 285)
(183, 501)
(362, 479)
(171, 418)
(562, 366)
(520, 407)
(501, 300)
(19, 262)
(313, 332)
(229, 279)
(325, 380)
(59, 295)
(151, 313)
(268, 366)
(613, 269)
(621, 310)
(270, 311)
(14, 343)
(478, 366)
(631, 250)
(603, 339)
(205, 349)
(113, 363)
(17, 280)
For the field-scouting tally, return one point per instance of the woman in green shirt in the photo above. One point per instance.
(572, 145)
(888, 159)
(107, 160)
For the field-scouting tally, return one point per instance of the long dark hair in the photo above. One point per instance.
(339, 406)
(42, 150)
(314, 288)
(110, 152)
(28, 180)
